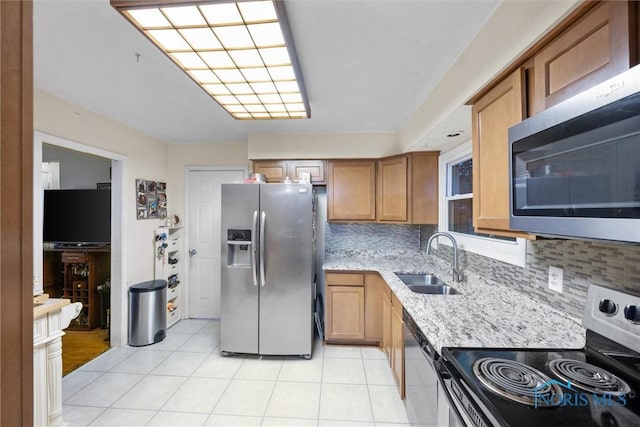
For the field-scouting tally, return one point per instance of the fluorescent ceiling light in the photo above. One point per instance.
(241, 53)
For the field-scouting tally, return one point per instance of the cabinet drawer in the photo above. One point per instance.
(345, 279)
(173, 316)
(173, 293)
(74, 257)
(174, 245)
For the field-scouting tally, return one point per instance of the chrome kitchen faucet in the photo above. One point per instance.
(457, 275)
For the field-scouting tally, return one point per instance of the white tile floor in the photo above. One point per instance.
(183, 381)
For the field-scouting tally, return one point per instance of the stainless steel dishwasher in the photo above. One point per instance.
(425, 401)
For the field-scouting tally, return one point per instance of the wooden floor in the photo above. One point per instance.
(79, 347)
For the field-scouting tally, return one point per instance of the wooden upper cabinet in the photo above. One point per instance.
(492, 115)
(277, 170)
(599, 45)
(393, 191)
(314, 167)
(407, 188)
(351, 192)
(273, 170)
(423, 180)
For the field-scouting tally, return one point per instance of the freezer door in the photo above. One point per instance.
(239, 296)
(286, 291)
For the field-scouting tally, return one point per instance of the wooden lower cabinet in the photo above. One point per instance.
(354, 307)
(386, 323)
(373, 294)
(345, 313)
(397, 345)
(345, 306)
(362, 309)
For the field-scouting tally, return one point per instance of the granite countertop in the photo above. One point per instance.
(485, 314)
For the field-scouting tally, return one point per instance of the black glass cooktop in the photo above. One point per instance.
(568, 404)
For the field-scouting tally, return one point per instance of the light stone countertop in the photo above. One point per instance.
(50, 305)
(486, 314)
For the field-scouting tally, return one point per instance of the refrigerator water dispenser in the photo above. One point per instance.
(239, 248)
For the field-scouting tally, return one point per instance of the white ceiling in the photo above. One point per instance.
(367, 66)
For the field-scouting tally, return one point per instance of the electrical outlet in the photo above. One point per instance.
(555, 278)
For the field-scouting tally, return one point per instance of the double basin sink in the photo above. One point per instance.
(426, 284)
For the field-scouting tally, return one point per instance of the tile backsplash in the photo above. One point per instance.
(584, 262)
(371, 236)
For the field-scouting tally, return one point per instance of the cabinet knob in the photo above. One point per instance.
(192, 252)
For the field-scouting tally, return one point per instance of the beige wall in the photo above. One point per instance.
(322, 145)
(514, 26)
(211, 154)
(146, 158)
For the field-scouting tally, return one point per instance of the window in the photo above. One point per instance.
(456, 210)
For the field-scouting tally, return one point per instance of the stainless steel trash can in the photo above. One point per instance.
(147, 312)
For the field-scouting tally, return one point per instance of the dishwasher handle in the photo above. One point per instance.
(423, 342)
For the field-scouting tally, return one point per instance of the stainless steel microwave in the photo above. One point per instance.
(575, 167)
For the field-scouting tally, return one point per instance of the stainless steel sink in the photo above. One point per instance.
(433, 289)
(426, 284)
(420, 279)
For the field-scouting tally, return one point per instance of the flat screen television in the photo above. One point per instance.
(77, 217)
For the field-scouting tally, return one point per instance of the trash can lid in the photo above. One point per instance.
(149, 286)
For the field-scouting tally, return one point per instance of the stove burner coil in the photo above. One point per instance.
(588, 377)
(517, 382)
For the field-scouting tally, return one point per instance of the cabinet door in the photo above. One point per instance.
(351, 190)
(593, 49)
(373, 307)
(392, 198)
(345, 313)
(492, 116)
(397, 347)
(424, 187)
(314, 167)
(386, 326)
(273, 170)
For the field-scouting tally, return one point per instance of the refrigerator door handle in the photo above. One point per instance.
(254, 249)
(263, 219)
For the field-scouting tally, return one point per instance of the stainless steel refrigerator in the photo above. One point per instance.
(267, 269)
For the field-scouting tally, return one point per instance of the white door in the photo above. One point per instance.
(204, 239)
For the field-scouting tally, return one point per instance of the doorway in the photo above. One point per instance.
(202, 208)
(117, 269)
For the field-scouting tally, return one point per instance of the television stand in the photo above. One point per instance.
(77, 272)
(80, 245)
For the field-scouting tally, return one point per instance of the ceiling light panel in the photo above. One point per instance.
(235, 51)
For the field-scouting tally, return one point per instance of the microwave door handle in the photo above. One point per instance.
(263, 220)
(254, 249)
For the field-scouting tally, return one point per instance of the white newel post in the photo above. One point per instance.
(49, 321)
(54, 380)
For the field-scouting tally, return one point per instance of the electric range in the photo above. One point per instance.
(598, 385)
